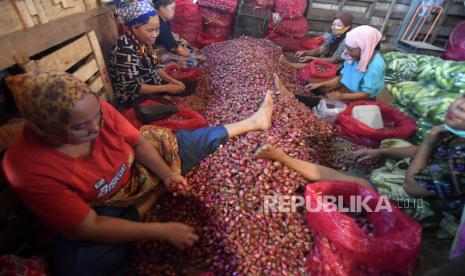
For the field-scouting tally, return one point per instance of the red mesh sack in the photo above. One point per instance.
(295, 28)
(397, 124)
(265, 3)
(180, 73)
(205, 40)
(290, 8)
(187, 21)
(287, 43)
(184, 119)
(384, 239)
(216, 19)
(188, 76)
(11, 265)
(313, 42)
(226, 6)
(218, 32)
(322, 69)
(455, 45)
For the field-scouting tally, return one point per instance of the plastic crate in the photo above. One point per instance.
(251, 20)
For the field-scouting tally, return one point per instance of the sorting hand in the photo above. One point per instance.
(174, 180)
(363, 154)
(300, 53)
(304, 59)
(312, 86)
(335, 95)
(175, 88)
(179, 234)
(434, 134)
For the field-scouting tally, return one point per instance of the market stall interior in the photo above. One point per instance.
(361, 172)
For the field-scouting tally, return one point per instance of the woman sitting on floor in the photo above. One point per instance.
(133, 65)
(333, 47)
(362, 76)
(173, 51)
(90, 175)
(436, 170)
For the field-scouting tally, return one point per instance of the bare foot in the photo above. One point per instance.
(269, 152)
(280, 86)
(262, 118)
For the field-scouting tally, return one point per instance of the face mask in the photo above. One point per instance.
(339, 31)
(458, 132)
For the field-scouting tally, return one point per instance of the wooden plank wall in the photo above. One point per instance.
(17, 47)
(22, 14)
(321, 13)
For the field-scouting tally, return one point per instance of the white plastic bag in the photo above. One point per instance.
(328, 109)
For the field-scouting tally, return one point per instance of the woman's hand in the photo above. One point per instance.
(174, 180)
(434, 134)
(300, 53)
(363, 154)
(179, 234)
(172, 88)
(313, 86)
(335, 95)
(304, 59)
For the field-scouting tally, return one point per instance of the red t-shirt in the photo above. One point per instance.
(56, 186)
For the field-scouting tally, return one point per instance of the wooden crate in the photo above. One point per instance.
(17, 15)
(83, 58)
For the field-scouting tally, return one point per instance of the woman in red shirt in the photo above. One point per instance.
(88, 173)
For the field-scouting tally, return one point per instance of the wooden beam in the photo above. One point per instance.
(31, 7)
(26, 18)
(456, 10)
(19, 44)
(43, 19)
(96, 85)
(97, 52)
(66, 57)
(436, 30)
(86, 71)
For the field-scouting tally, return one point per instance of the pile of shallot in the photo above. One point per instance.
(225, 201)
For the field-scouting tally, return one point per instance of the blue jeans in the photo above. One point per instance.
(193, 146)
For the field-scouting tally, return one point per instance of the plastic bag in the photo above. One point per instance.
(313, 42)
(296, 28)
(388, 240)
(184, 119)
(455, 45)
(397, 124)
(329, 109)
(290, 8)
(226, 6)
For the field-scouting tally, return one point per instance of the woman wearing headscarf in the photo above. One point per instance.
(173, 49)
(133, 65)
(90, 175)
(333, 47)
(362, 75)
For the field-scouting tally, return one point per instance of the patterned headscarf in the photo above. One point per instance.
(135, 13)
(45, 99)
(366, 38)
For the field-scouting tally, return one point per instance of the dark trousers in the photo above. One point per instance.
(76, 258)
